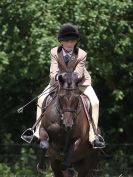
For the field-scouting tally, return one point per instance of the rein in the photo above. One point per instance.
(69, 110)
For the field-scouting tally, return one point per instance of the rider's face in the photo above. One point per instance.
(69, 45)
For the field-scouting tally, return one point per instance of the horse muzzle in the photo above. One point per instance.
(67, 120)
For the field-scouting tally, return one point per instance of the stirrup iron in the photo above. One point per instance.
(101, 138)
(28, 135)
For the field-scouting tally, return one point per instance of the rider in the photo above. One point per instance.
(68, 55)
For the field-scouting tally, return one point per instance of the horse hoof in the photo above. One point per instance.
(41, 169)
(68, 173)
(64, 165)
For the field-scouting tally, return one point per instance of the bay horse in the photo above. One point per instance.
(65, 126)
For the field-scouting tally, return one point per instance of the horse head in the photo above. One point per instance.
(69, 99)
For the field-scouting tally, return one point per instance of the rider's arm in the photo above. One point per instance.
(54, 69)
(79, 69)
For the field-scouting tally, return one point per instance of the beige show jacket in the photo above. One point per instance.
(77, 64)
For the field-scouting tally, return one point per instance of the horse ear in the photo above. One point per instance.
(61, 83)
(76, 79)
(61, 79)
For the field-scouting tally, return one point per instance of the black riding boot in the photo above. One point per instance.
(98, 142)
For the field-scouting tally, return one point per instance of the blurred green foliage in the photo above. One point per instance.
(28, 30)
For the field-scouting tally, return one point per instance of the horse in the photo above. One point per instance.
(66, 127)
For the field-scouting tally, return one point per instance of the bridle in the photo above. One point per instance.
(61, 111)
(69, 89)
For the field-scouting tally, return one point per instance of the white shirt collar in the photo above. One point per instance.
(69, 53)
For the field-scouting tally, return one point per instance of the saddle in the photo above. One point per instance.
(84, 99)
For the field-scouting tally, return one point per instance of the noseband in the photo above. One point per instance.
(69, 89)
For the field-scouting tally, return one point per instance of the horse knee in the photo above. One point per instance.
(44, 144)
(43, 134)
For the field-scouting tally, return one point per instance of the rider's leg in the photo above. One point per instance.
(90, 93)
(44, 144)
(39, 106)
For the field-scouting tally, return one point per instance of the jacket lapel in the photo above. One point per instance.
(73, 60)
(61, 60)
(71, 63)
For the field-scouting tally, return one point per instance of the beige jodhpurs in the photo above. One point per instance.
(41, 98)
(90, 93)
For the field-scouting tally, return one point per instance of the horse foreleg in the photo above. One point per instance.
(41, 166)
(66, 164)
(68, 173)
(84, 168)
(55, 165)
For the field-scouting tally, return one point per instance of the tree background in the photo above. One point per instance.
(28, 30)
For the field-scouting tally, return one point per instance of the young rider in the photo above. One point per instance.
(68, 55)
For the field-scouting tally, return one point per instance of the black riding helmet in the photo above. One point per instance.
(68, 32)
